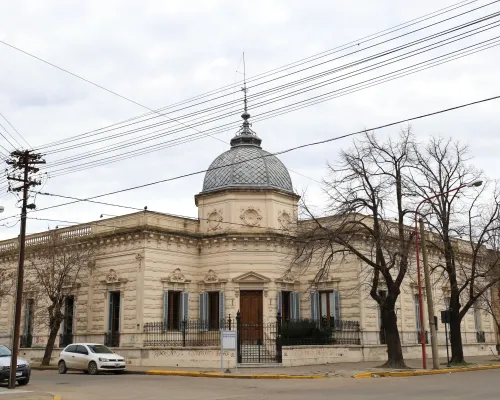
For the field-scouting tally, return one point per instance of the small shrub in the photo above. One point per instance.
(305, 332)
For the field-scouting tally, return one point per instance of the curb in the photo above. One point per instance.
(230, 376)
(195, 374)
(396, 374)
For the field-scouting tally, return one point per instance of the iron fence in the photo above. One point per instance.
(310, 333)
(65, 339)
(26, 341)
(112, 339)
(192, 333)
(259, 342)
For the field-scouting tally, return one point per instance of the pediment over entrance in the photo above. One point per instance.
(251, 277)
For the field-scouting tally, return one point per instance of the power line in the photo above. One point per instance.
(263, 93)
(351, 44)
(15, 130)
(128, 143)
(293, 107)
(310, 144)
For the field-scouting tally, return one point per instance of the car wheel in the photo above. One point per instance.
(93, 368)
(61, 367)
(23, 382)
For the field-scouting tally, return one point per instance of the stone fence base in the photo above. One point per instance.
(209, 357)
(312, 355)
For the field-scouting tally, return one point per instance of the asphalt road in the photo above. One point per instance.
(484, 385)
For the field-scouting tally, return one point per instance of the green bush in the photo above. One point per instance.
(305, 332)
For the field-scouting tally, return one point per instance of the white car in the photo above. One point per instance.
(91, 358)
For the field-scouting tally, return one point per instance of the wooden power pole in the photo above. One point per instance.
(24, 161)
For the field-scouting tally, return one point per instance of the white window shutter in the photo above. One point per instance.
(279, 303)
(336, 298)
(165, 310)
(314, 305)
(222, 311)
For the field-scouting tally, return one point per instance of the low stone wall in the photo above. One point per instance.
(186, 357)
(313, 355)
(209, 357)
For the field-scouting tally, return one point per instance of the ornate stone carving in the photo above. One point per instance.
(112, 276)
(285, 220)
(177, 276)
(288, 277)
(214, 220)
(211, 277)
(251, 216)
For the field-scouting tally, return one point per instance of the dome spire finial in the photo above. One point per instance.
(245, 135)
(244, 89)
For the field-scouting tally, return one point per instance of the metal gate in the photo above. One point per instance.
(260, 342)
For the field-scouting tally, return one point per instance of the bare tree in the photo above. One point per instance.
(54, 271)
(465, 225)
(366, 191)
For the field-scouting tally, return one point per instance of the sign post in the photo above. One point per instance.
(445, 319)
(227, 342)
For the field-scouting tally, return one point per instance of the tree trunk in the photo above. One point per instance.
(50, 345)
(457, 351)
(393, 341)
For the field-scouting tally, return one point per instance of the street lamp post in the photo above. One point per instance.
(428, 288)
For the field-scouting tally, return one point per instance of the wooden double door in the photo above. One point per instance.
(251, 313)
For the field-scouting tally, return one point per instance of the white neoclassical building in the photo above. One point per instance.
(163, 285)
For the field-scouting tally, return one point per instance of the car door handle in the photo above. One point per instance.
(73, 356)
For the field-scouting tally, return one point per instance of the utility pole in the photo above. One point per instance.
(430, 301)
(24, 161)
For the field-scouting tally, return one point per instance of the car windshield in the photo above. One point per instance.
(4, 351)
(99, 349)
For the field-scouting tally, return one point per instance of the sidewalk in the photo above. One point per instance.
(310, 371)
(21, 394)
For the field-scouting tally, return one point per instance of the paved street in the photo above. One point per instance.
(76, 386)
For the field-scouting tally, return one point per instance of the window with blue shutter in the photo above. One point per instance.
(417, 313)
(165, 310)
(204, 311)
(222, 306)
(314, 305)
(294, 306)
(279, 302)
(336, 307)
(185, 306)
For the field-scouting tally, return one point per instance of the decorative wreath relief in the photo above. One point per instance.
(251, 216)
(285, 220)
(214, 220)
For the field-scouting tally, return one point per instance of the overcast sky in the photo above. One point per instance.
(163, 52)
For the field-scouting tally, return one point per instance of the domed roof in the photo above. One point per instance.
(246, 165)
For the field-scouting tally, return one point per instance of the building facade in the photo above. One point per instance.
(162, 286)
